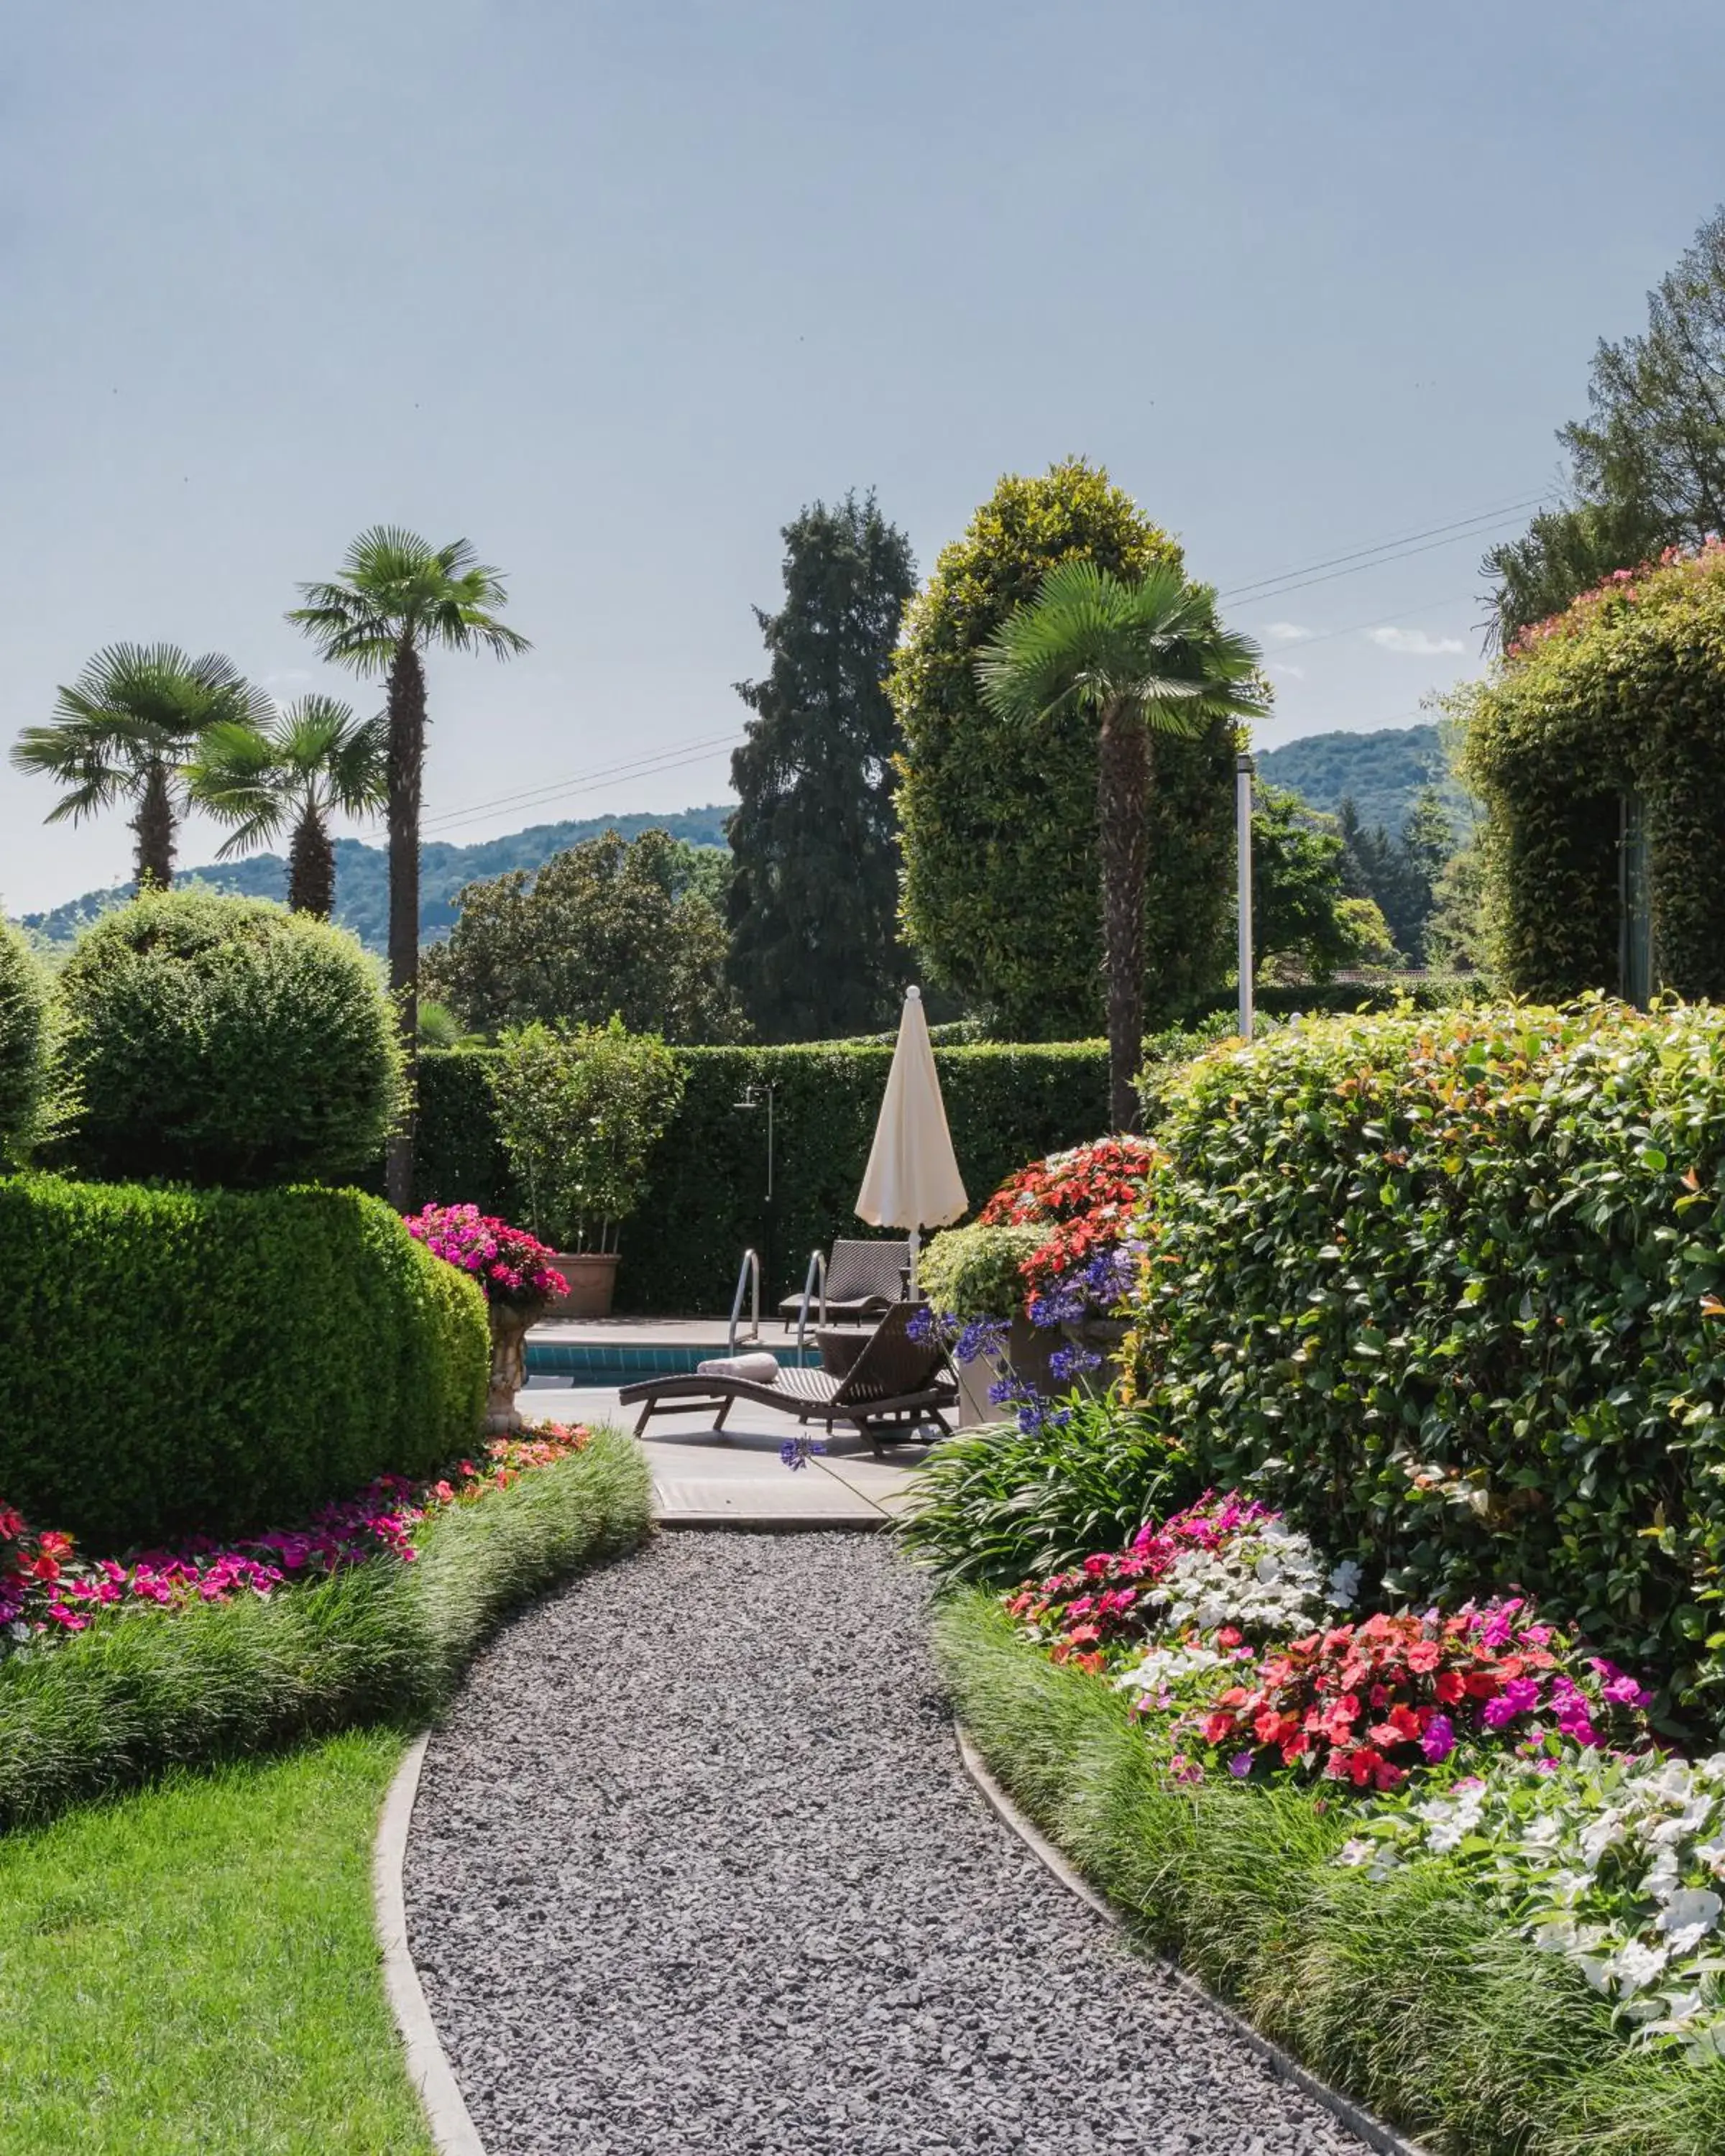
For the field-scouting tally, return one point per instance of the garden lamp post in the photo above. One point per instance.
(1244, 768)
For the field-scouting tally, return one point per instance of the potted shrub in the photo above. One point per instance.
(579, 1109)
(519, 1280)
(972, 1278)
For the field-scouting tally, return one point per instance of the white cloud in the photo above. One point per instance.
(1293, 673)
(1287, 632)
(1415, 641)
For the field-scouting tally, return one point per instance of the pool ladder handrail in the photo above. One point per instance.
(748, 1276)
(817, 1271)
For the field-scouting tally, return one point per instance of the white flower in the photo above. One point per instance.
(1603, 1833)
(1544, 1834)
(1556, 1936)
(1344, 1583)
(1634, 1965)
(1357, 1851)
(1688, 1916)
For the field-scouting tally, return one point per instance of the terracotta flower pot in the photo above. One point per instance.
(509, 1363)
(591, 1276)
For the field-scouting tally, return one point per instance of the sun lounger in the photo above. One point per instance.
(895, 1385)
(865, 1275)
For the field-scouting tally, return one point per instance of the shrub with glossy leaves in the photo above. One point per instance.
(1453, 1291)
(1623, 693)
(224, 1040)
(23, 1017)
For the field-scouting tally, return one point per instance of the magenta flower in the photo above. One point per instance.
(1438, 1740)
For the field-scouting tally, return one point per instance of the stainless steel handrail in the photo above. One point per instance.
(817, 1270)
(748, 1276)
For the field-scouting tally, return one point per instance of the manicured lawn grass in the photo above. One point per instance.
(194, 1968)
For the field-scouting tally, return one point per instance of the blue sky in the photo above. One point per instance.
(614, 289)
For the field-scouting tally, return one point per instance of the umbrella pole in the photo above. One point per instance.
(916, 1244)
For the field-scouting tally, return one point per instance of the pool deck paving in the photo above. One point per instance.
(735, 1477)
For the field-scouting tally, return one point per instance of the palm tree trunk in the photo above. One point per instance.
(154, 826)
(311, 866)
(1123, 800)
(406, 769)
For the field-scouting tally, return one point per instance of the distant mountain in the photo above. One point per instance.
(1384, 771)
(362, 872)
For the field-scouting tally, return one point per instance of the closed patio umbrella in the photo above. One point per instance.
(912, 1178)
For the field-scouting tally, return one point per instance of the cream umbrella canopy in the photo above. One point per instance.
(912, 1178)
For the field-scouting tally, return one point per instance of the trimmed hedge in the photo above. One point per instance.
(222, 1041)
(1448, 1289)
(707, 1178)
(381, 1641)
(181, 1361)
(1410, 1993)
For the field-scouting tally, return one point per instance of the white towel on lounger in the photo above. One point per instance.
(757, 1369)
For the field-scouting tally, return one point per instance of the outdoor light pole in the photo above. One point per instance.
(1243, 769)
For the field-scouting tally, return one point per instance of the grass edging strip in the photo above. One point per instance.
(379, 1642)
(1371, 2130)
(446, 2114)
(1411, 1993)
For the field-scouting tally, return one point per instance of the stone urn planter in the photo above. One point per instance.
(509, 1322)
(591, 1276)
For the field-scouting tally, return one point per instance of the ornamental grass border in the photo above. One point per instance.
(381, 1641)
(1408, 1994)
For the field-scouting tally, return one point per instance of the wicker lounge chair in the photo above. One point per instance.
(893, 1386)
(865, 1277)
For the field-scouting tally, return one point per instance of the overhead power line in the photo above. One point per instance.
(554, 790)
(1354, 563)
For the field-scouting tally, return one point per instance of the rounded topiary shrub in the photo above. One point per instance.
(223, 1041)
(23, 1016)
(183, 1362)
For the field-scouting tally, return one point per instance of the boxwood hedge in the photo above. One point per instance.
(707, 1200)
(1452, 1288)
(178, 1361)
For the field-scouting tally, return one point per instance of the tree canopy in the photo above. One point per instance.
(612, 925)
(813, 904)
(1647, 465)
(998, 822)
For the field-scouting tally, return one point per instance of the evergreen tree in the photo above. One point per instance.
(1647, 466)
(814, 951)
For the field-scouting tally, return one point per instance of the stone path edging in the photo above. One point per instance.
(771, 1523)
(1370, 2129)
(445, 2108)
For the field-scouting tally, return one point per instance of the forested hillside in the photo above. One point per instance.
(1384, 772)
(362, 872)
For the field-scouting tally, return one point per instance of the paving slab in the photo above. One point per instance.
(724, 1477)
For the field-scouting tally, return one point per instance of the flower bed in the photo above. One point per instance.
(1481, 1741)
(1085, 1200)
(47, 1589)
(375, 1623)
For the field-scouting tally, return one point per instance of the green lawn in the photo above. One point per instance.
(193, 1969)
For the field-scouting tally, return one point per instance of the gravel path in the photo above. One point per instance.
(694, 1868)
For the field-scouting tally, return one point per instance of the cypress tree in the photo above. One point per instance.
(813, 904)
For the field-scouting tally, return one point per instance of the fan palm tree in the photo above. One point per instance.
(309, 761)
(397, 597)
(1140, 658)
(125, 730)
